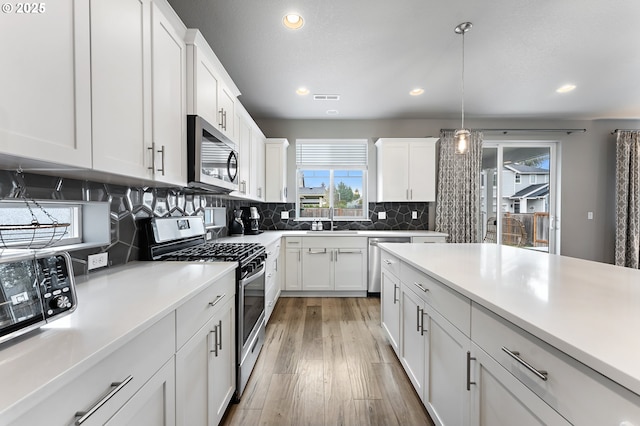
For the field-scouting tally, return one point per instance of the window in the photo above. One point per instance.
(88, 224)
(532, 179)
(332, 179)
(517, 178)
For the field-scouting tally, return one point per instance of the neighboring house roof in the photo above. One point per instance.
(532, 191)
(317, 191)
(526, 170)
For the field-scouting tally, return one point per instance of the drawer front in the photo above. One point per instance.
(293, 242)
(432, 239)
(450, 304)
(580, 394)
(119, 376)
(273, 250)
(390, 263)
(195, 313)
(334, 242)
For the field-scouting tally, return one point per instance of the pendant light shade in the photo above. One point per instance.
(462, 136)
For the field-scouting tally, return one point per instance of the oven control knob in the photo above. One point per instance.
(59, 302)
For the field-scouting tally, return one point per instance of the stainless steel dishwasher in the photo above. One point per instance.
(375, 261)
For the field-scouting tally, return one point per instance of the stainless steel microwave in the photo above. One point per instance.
(35, 289)
(212, 157)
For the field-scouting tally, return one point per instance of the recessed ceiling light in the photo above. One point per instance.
(566, 88)
(417, 91)
(293, 21)
(302, 91)
(332, 112)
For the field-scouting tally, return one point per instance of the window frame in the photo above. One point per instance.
(332, 169)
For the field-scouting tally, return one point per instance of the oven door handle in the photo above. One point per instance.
(254, 275)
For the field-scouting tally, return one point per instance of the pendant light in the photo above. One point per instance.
(462, 136)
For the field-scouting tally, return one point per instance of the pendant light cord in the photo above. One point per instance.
(463, 79)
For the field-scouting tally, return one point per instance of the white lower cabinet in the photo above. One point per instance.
(414, 351)
(498, 398)
(154, 404)
(334, 264)
(293, 263)
(134, 382)
(205, 364)
(390, 308)
(272, 278)
(446, 396)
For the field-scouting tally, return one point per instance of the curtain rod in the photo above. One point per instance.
(623, 130)
(505, 131)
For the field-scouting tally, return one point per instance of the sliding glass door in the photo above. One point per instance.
(518, 197)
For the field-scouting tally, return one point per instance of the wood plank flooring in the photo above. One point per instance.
(326, 362)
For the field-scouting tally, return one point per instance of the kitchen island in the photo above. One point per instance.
(564, 309)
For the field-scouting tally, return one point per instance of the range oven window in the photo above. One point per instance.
(253, 301)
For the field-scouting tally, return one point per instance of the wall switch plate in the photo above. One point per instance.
(97, 260)
(414, 214)
(590, 215)
(382, 215)
(284, 215)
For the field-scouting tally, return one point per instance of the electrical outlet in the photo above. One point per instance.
(414, 214)
(382, 215)
(284, 215)
(97, 260)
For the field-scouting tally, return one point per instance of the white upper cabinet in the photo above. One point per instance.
(45, 106)
(139, 90)
(406, 169)
(276, 170)
(250, 157)
(211, 93)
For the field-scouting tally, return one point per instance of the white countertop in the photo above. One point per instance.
(589, 310)
(114, 306)
(267, 237)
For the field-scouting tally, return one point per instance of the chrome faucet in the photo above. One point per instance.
(330, 218)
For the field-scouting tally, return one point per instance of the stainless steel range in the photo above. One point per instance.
(184, 239)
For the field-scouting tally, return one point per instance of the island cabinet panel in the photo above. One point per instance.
(498, 397)
(578, 393)
(390, 307)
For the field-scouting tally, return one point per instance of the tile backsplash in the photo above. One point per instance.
(128, 204)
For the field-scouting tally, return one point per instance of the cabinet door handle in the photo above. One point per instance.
(422, 330)
(276, 265)
(162, 152)
(221, 123)
(421, 287)
(152, 148)
(219, 336)
(407, 193)
(217, 299)
(395, 292)
(411, 194)
(215, 341)
(541, 374)
(469, 359)
(418, 316)
(117, 387)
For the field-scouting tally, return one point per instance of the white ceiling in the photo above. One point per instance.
(373, 52)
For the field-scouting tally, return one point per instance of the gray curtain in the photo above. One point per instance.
(458, 200)
(628, 199)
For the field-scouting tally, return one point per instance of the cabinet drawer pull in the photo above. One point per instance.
(117, 387)
(218, 299)
(317, 252)
(421, 287)
(542, 375)
(388, 262)
(469, 359)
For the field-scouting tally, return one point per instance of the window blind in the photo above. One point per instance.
(332, 154)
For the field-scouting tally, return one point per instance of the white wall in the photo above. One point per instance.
(587, 165)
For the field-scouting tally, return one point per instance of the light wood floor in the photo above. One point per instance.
(326, 362)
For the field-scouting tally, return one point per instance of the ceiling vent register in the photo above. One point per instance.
(326, 97)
